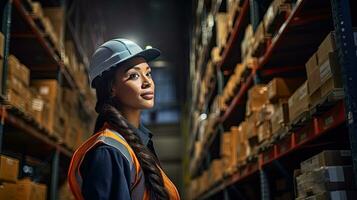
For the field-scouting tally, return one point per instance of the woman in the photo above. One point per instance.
(119, 161)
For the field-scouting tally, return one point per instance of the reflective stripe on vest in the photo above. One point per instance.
(114, 139)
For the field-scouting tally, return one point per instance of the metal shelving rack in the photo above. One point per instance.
(30, 138)
(319, 130)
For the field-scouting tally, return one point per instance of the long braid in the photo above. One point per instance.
(108, 112)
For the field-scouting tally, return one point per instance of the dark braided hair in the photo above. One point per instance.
(108, 110)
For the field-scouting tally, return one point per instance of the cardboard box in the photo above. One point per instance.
(299, 102)
(243, 151)
(56, 16)
(216, 55)
(327, 158)
(280, 118)
(252, 125)
(334, 195)
(247, 41)
(37, 8)
(23, 190)
(265, 113)
(311, 64)
(326, 47)
(228, 147)
(9, 169)
(264, 131)
(216, 170)
(328, 69)
(282, 88)
(232, 7)
(2, 45)
(50, 90)
(18, 70)
(243, 131)
(16, 100)
(221, 29)
(257, 97)
(325, 179)
(330, 75)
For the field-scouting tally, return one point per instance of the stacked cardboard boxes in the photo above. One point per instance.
(246, 48)
(233, 82)
(279, 90)
(324, 72)
(12, 188)
(221, 29)
(18, 92)
(50, 91)
(232, 9)
(299, 102)
(23, 190)
(325, 174)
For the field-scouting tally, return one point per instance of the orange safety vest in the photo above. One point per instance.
(114, 139)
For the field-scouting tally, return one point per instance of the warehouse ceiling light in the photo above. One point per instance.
(148, 47)
(159, 63)
(203, 116)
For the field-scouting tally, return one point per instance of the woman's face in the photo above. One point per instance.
(133, 85)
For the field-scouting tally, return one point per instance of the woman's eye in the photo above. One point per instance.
(134, 76)
(149, 74)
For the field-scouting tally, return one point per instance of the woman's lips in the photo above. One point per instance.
(148, 95)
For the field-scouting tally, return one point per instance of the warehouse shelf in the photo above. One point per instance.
(26, 32)
(276, 47)
(313, 17)
(284, 146)
(38, 140)
(236, 33)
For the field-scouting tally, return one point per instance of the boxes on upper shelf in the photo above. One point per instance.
(9, 169)
(57, 17)
(221, 29)
(257, 97)
(232, 7)
(2, 44)
(282, 88)
(18, 70)
(50, 90)
(280, 117)
(273, 18)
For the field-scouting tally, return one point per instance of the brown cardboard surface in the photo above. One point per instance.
(221, 29)
(257, 97)
(327, 46)
(23, 190)
(311, 64)
(281, 88)
(299, 102)
(264, 131)
(50, 90)
(9, 169)
(325, 179)
(18, 70)
(2, 43)
(280, 116)
(327, 158)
